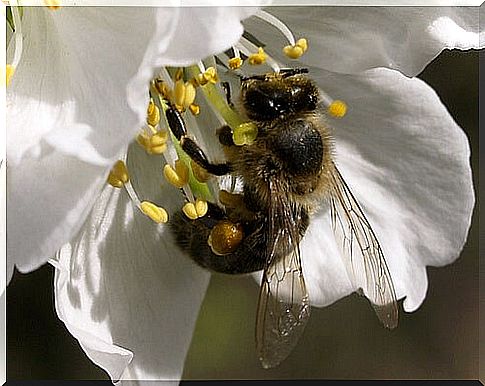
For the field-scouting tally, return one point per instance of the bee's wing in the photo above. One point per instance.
(365, 261)
(283, 307)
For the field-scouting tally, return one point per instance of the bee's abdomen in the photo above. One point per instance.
(299, 148)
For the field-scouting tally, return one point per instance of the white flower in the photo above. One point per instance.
(122, 288)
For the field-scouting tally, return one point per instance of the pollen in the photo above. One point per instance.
(245, 134)
(156, 213)
(195, 210)
(199, 172)
(155, 143)
(184, 94)
(257, 58)
(153, 114)
(337, 109)
(118, 176)
(208, 76)
(296, 50)
(225, 237)
(9, 71)
(178, 176)
(194, 109)
(235, 63)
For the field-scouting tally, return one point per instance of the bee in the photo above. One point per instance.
(287, 174)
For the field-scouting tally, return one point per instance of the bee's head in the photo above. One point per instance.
(271, 96)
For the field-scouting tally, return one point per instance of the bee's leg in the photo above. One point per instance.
(177, 126)
(217, 244)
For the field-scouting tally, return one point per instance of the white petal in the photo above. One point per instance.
(407, 163)
(122, 287)
(80, 94)
(352, 39)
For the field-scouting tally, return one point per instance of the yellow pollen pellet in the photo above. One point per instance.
(199, 172)
(337, 109)
(235, 63)
(245, 134)
(258, 58)
(118, 176)
(179, 176)
(194, 109)
(9, 71)
(156, 213)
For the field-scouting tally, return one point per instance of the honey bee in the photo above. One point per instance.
(287, 173)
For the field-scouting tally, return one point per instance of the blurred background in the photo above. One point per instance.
(343, 341)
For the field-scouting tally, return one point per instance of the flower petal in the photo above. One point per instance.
(80, 94)
(353, 39)
(122, 284)
(407, 163)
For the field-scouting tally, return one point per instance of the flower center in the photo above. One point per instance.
(179, 96)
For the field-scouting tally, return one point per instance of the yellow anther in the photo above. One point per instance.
(118, 176)
(179, 176)
(294, 52)
(162, 88)
(199, 172)
(9, 71)
(337, 109)
(194, 109)
(195, 211)
(156, 213)
(245, 134)
(230, 199)
(52, 4)
(155, 143)
(235, 63)
(179, 74)
(257, 58)
(303, 43)
(189, 94)
(153, 114)
(201, 207)
(179, 94)
(208, 76)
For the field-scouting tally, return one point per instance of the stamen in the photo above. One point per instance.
(197, 210)
(179, 176)
(235, 63)
(18, 44)
(156, 213)
(246, 47)
(277, 23)
(153, 113)
(118, 176)
(257, 58)
(165, 76)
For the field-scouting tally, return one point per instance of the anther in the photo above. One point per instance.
(195, 210)
(52, 4)
(199, 172)
(118, 176)
(179, 176)
(245, 134)
(296, 50)
(156, 213)
(230, 199)
(337, 109)
(257, 58)
(194, 109)
(9, 71)
(208, 76)
(153, 114)
(235, 63)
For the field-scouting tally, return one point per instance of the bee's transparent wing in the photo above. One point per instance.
(363, 255)
(283, 307)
